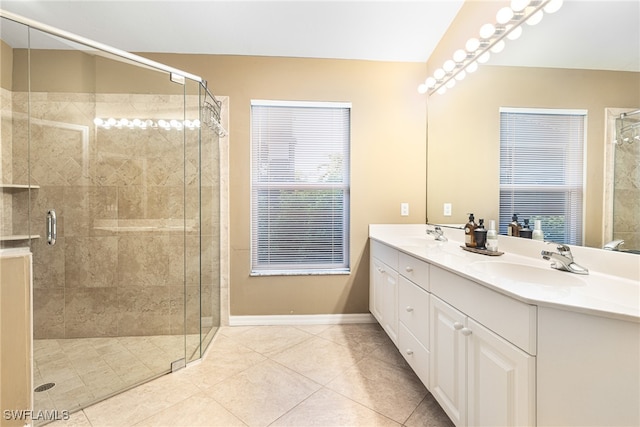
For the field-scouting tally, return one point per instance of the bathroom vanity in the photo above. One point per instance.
(507, 340)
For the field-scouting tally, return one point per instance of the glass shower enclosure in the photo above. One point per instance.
(110, 176)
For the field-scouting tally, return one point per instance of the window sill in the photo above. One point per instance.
(333, 272)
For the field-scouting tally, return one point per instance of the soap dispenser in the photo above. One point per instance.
(514, 227)
(469, 236)
(537, 230)
(526, 231)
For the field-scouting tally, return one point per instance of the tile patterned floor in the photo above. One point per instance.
(320, 375)
(89, 369)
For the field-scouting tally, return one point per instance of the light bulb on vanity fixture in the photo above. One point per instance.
(491, 39)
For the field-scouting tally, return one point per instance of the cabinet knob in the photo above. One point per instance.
(409, 308)
(381, 270)
(457, 326)
(408, 269)
(409, 351)
(466, 332)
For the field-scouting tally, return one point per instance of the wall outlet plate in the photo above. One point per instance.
(447, 209)
(404, 209)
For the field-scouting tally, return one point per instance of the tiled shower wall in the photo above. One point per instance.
(118, 267)
(626, 201)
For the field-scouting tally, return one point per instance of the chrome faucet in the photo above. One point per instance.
(614, 245)
(438, 233)
(563, 260)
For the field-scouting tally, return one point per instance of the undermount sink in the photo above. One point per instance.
(422, 241)
(523, 273)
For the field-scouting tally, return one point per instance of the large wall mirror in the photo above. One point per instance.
(586, 56)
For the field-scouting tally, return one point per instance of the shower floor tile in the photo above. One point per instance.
(333, 375)
(86, 370)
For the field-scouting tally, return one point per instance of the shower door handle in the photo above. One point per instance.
(52, 227)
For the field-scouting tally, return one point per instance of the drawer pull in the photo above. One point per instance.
(409, 308)
(466, 332)
(409, 351)
(457, 326)
(408, 269)
(381, 270)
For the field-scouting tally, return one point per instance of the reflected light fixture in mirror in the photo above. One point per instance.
(508, 25)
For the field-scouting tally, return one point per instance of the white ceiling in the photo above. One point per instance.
(595, 34)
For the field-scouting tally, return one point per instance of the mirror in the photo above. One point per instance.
(562, 63)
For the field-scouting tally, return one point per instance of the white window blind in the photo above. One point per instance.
(542, 170)
(300, 187)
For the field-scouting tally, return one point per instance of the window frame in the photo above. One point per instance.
(290, 269)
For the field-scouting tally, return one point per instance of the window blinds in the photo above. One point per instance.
(541, 170)
(300, 187)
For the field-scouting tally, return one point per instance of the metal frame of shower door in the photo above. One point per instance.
(96, 45)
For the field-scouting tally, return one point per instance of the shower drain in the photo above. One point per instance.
(44, 387)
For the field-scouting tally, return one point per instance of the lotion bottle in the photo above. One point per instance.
(469, 237)
(537, 230)
(492, 237)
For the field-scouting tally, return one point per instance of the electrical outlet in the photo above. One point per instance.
(404, 209)
(447, 209)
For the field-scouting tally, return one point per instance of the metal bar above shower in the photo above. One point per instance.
(102, 47)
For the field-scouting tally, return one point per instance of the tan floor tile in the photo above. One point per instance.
(360, 337)
(141, 402)
(227, 359)
(429, 414)
(77, 419)
(262, 393)
(385, 388)
(198, 410)
(318, 359)
(326, 408)
(269, 340)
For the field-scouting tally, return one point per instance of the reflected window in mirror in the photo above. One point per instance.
(542, 170)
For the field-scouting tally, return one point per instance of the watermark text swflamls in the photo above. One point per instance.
(40, 415)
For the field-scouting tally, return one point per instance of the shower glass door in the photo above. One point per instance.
(106, 144)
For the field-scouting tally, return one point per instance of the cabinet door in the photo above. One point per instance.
(390, 304)
(447, 367)
(383, 297)
(376, 287)
(501, 380)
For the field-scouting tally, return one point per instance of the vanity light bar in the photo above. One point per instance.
(509, 26)
(112, 123)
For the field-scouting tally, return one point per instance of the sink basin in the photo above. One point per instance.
(523, 273)
(420, 241)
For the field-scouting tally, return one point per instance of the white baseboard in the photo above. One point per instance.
(303, 319)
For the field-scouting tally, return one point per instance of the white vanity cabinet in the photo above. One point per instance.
(413, 338)
(383, 288)
(478, 376)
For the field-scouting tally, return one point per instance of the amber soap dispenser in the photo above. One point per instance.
(469, 236)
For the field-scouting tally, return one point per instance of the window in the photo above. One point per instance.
(300, 187)
(542, 170)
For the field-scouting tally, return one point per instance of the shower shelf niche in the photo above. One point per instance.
(9, 188)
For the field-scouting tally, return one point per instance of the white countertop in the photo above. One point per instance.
(611, 289)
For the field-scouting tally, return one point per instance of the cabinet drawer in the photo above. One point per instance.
(513, 320)
(414, 353)
(385, 254)
(414, 310)
(414, 269)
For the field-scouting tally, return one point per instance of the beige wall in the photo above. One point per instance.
(463, 137)
(388, 155)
